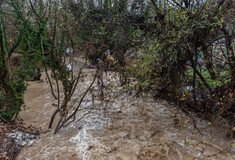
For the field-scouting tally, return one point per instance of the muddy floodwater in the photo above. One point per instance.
(124, 128)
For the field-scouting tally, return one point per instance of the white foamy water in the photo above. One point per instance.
(22, 139)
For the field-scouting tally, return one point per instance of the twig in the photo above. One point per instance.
(190, 116)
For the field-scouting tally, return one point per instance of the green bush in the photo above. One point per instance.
(167, 64)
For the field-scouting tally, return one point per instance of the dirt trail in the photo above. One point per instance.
(127, 129)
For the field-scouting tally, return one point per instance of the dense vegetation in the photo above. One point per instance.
(179, 50)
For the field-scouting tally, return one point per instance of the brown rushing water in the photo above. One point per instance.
(128, 128)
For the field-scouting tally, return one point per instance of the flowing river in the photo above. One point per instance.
(126, 128)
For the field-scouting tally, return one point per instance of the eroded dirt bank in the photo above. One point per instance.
(127, 128)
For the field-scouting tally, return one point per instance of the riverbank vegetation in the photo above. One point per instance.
(180, 50)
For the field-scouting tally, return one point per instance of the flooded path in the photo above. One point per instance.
(127, 128)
